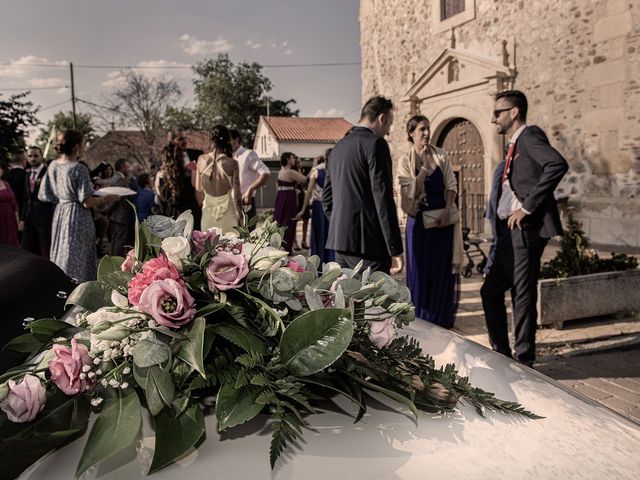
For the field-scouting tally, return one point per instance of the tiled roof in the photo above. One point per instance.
(301, 129)
(131, 144)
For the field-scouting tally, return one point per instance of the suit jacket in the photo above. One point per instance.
(34, 211)
(535, 172)
(121, 211)
(16, 178)
(358, 197)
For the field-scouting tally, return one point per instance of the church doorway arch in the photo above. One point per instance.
(463, 144)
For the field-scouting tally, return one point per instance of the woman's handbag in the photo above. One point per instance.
(430, 217)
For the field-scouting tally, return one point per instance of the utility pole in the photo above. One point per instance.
(268, 106)
(73, 97)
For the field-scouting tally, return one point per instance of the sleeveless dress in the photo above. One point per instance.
(433, 287)
(319, 221)
(73, 234)
(217, 211)
(285, 211)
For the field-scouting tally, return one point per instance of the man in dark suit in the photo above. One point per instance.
(120, 214)
(35, 216)
(527, 216)
(16, 175)
(358, 194)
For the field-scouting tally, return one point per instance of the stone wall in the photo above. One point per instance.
(577, 61)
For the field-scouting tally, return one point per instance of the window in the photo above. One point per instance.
(449, 8)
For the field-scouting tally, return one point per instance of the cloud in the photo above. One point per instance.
(47, 82)
(151, 69)
(25, 66)
(253, 45)
(288, 51)
(193, 46)
(332, 112)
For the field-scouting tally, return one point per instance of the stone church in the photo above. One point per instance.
(576, 60)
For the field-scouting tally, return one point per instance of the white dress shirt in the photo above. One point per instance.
(508, 201)
(251, 167)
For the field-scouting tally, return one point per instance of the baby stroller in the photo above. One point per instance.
(472, 250)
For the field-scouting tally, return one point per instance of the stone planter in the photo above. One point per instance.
(562, 299)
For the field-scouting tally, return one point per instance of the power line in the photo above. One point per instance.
(54, 105)
(176, 67)
(22, 89)
(93, 104)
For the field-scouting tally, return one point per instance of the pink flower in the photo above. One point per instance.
(382, 333)
(129, 261)
(169, 302)
(159, 268)
(227, 271)
(295, 266)
(24, 399)
(199, 239)
(66, 368)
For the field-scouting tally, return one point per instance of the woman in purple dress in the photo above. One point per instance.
(434, 249)
(287, 198)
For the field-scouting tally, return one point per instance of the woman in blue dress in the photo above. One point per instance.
(434, 240)
(68, 185)
(319, 221)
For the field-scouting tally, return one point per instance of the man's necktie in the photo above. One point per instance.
(507, 165)
(32, 180)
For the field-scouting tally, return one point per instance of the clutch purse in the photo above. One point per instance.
(430, 217)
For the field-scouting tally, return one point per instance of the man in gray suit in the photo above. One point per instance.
(526, 217)
(358, 194)
(121, 214)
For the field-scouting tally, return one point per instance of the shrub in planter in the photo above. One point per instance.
(576, 258)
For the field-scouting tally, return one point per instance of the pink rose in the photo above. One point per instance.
(159, 268)
(227, 271)
(199, 239)
(129, 261)
(169, 302)
(295, 266)
(382, 333)
(66, 368)
(24, 399)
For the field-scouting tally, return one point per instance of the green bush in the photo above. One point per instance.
(576, 258)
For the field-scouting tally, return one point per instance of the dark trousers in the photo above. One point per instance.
(118, 236)
(36, 239)
(516, 267)
(251, 212)
(350, 260)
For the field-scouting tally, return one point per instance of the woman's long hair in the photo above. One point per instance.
(221, 139)
(174, 167)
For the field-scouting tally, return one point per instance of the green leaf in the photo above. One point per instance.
(313, 298)
(139, 245)
(272, 317)
(158, 386)
(149, 352)
(240, 337)
(350, 286)
(236, 406)
(116, 428)
(109, 264)
(315, 340)
(326, 280)
(89, 295)
(176, 436)
(62, 420)
(209, 309)
(389, 393)
(283, 279)
(192, 348)
(47, 327)
(26, 343)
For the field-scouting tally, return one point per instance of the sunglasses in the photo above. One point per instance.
(496, 113)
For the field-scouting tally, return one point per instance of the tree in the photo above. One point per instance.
(63, 121)
(16, 116)
(142, 102)
(235, 95)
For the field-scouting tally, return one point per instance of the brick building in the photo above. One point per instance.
(577, 61)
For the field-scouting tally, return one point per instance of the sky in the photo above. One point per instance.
(180, 33)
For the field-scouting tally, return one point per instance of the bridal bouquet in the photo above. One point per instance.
(192, 318)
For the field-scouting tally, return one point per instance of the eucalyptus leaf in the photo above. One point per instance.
(305, 278)
(339, 299)
(315, 340)
(192, 348)
(150, 352)
(116, 428)
(283, 279)
(158, 387)
(90, 295)
(235, 406)
(294, 304)
(275, 240)
(176, 436)
(350, 286)
(313, 298)
(109, 264)
(326, 280)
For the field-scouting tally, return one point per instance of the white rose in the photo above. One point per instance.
(104, 314)
(176, 249)
(263, 258)
(382, 333)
